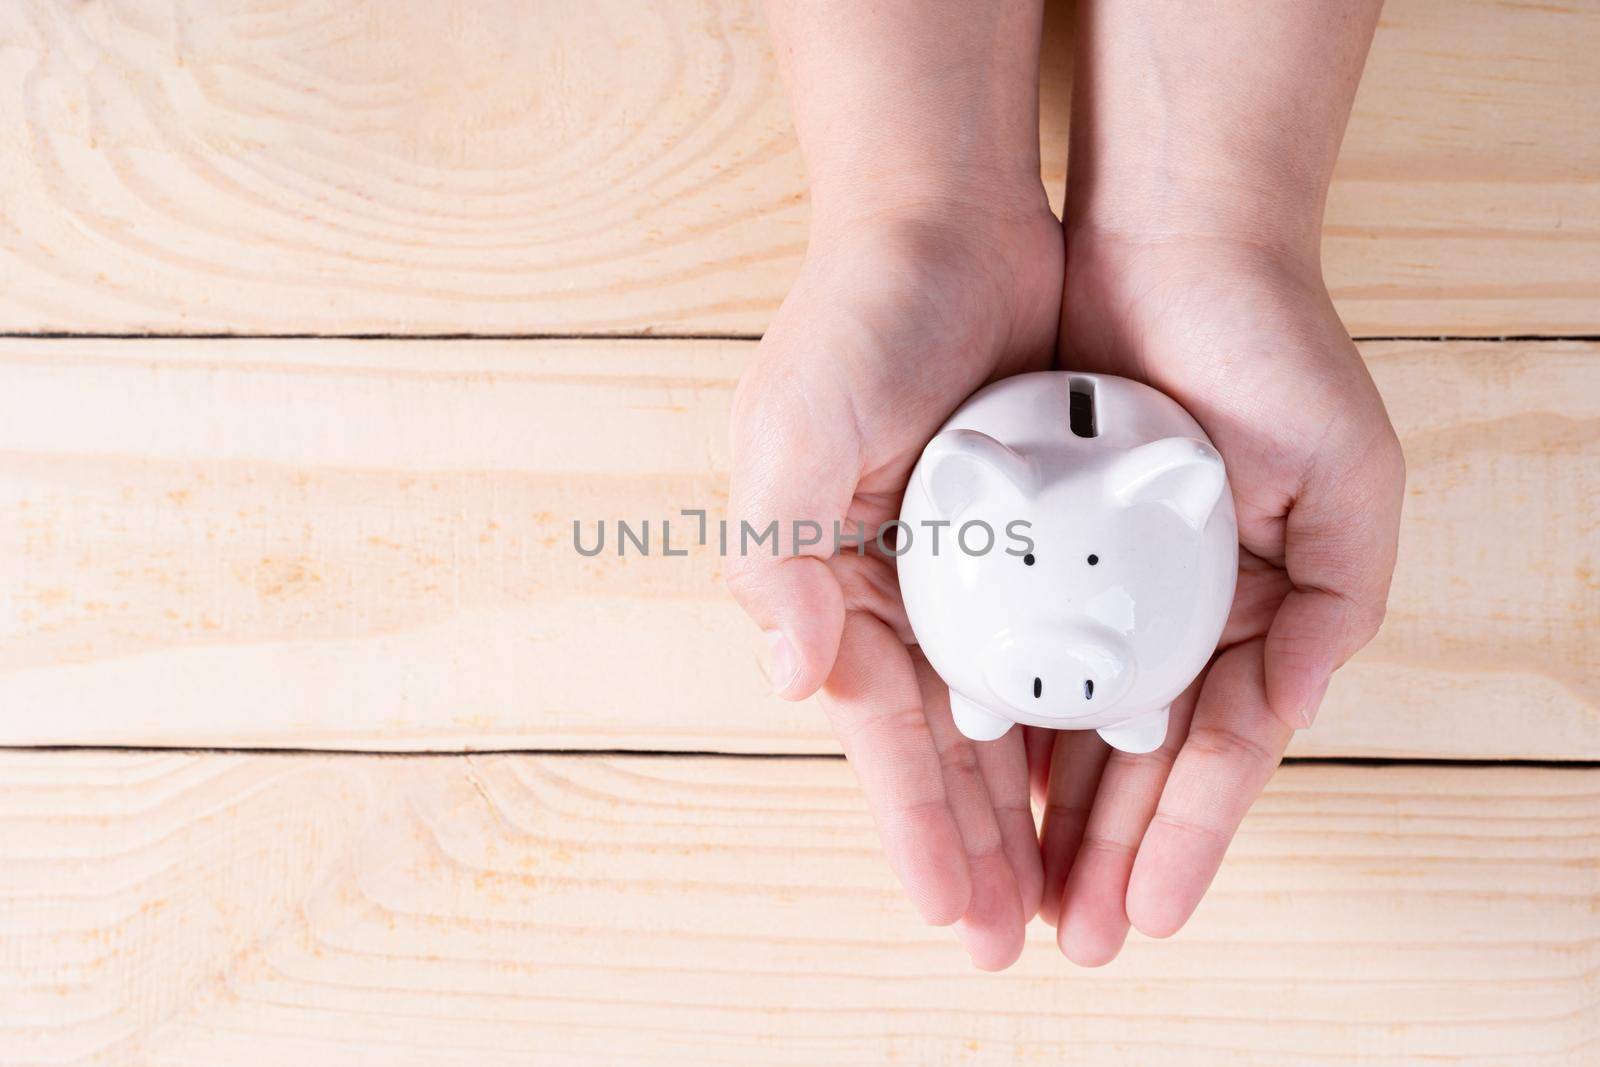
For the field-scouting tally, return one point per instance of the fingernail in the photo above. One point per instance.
(785, 662)
(1308, 714)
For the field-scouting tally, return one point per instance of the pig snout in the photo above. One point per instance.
(1060, 672)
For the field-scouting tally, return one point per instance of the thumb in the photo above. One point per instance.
(1339, 549)
(796, 453)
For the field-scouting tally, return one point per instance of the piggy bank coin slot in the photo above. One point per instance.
(1081, 410)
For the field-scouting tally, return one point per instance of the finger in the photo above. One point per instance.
(993, 927)
(1040, 744)
(1094, 916)
(869, 524)
(1234, 744)
(1256, 599)
(795, 463)
(1076, 761)
(871, 585)
(873, 700)
(1004, 766)
(1339, 549)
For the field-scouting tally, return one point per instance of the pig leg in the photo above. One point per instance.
(1143, 734)
(974, 722)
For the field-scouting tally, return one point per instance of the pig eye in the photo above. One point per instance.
(1093, 559)
(1028, 559)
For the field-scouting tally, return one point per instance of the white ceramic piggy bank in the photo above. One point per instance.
(1118, 601)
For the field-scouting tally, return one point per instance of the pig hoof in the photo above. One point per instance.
(1143, 734)
(974, 722)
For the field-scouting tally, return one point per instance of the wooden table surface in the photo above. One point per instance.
(321, 320)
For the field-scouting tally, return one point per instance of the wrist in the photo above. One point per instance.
(971, 205)
(1147, 262)
(1239, 233)
(1157, 208)
(994, 278)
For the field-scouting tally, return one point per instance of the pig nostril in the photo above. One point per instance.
(1038, 688)
(1088, 689)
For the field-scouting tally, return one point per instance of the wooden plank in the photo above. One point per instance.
(369, 545)
(175, 910)
(1453, 209)
(313, 166)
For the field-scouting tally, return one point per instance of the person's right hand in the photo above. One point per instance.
(897, 317)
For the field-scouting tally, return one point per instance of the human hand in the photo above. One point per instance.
(891, 325)
(1199, 169)
(1244, 336)
(935, 265)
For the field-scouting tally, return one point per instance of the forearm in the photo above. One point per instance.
(1212, 118)
(913, 103)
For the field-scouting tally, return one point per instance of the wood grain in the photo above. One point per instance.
(178, 910)
(323, 166)
(368, 545)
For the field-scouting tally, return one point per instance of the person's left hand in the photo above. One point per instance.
(1248, 341)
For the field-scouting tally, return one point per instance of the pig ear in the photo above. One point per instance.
(1184, 473)
(959, 466)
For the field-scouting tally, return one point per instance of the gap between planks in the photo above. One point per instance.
(808, 757)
